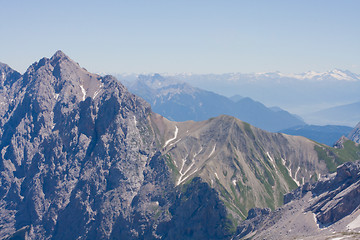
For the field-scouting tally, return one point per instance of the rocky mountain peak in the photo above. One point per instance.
(61, 58)
(7, 72)
(63, 131)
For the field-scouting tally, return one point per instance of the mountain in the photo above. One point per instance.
(236, 98)
(354, 135)
(348, 114)
(74, 147)
(328, 134)
(327, 209)
(181, 102)
(302, 93)
(246, 165)
(83, 158)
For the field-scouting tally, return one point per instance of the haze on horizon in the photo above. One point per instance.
(184, 36)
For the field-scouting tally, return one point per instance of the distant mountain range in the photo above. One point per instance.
(328, 134)
(181, 102)
(301, 94)
(348, 114)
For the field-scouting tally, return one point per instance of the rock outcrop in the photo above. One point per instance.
(329, 208)
(355, 134)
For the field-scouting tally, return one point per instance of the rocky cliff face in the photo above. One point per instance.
(82, 158)
(355, 134)
(327, 209)
(73, 150)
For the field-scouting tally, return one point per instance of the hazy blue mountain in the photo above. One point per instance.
(236, 97)
(301, 94)
(181, 102)
(348, 115)
(328, 134)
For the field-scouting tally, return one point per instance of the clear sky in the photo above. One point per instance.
(174, 36)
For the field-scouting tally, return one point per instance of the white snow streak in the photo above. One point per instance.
(212, 152)
(315, 220)
(272, 160)
(216, 176)
(182, 177)
(172, 139)
(96, 93)
(135, 122)
(83, 92)
(290, 174)
(295, 177)
(174, 142)
(56, 96)
(234, 182)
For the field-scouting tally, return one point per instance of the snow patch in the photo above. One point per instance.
(234, 182)
(56, 96)
(172, 139)
(354, 224)
(135, 122)
(83, 92)
(216, 176)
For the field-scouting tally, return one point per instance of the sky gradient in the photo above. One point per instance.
(184, 36)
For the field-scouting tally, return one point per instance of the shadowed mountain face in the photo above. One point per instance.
(81, 157)
(182, 102)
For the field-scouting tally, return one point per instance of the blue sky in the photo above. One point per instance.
(184, 36)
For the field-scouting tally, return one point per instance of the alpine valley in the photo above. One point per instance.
(83, 158)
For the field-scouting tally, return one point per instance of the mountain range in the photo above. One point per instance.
(328, 134)
(303, 94)
(83, 158)
(347, 114)
(181, 102)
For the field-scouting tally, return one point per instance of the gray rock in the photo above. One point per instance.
(354, 135)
